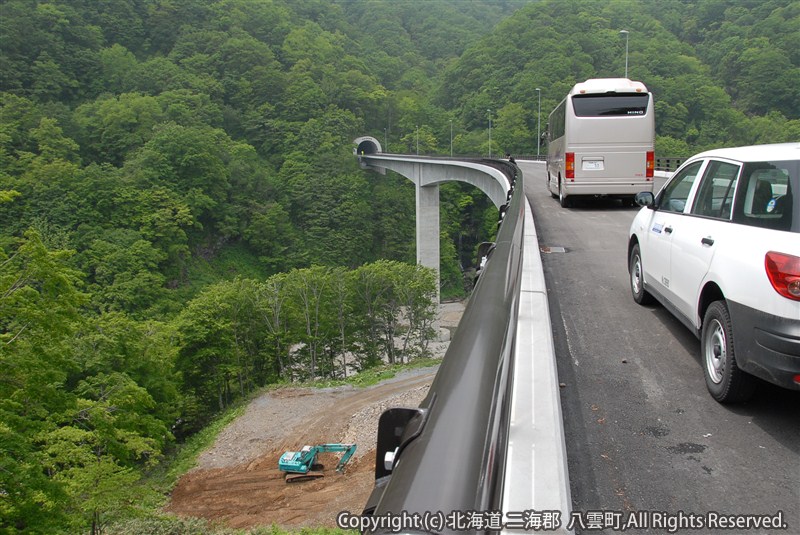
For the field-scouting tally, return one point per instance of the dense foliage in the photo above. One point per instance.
(182, 220)
(723, 72)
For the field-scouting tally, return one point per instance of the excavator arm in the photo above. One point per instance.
(298, 464)
(348, 449)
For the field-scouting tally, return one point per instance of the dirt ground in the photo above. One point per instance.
(237, 481)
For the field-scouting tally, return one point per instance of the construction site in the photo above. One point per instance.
(238, 482)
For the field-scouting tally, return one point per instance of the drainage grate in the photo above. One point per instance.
(548, 250)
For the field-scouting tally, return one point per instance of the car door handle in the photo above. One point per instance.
(707, 241)
(668, 230)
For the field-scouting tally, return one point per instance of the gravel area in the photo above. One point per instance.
(237, 481)
(272, 418)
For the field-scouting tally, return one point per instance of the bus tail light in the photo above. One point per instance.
(569, 166)
(651, 164)
(783, 271)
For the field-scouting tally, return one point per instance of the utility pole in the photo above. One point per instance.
(625, 33)
(539, 123)
(490, 132)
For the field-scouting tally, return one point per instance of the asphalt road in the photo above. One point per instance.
(642, 432)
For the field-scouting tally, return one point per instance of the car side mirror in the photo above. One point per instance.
(645, 198)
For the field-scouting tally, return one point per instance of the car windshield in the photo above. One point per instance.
(769, 195)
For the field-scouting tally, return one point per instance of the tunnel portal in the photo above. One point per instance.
(367, 145)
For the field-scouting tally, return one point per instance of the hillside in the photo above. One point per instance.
(706, 63)
(182, 222)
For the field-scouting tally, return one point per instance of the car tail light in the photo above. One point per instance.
(651, 164)
(569, 166)
(783, 271)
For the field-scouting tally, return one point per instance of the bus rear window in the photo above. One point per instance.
(610, 104)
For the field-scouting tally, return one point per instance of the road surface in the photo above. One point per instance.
(642, 432)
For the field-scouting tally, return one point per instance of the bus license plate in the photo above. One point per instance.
(592, 165)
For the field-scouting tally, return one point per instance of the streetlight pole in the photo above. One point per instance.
(451, 138)
(417, 140)
(490, 132)
(625, 33)
(538, 122)
(385, 141)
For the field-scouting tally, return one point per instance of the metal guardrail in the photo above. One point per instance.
(448, 455)
(668, 164)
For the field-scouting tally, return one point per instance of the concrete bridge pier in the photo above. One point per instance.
(427, 223)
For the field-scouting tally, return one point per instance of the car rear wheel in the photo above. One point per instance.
(638, 292)
(725, 381)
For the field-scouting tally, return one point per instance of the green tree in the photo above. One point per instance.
(93, 450)
(272, 236)
(112, 127)
(371, 288)
(39, 306)
(161, 218)
(223, 348)
(511, 130)
(270, 303)
(124, 270)
(310, 297)
(117, 65)
(415, 287)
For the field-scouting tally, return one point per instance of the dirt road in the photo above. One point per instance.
(238, 482)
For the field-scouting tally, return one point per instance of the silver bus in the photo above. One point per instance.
(600, 141)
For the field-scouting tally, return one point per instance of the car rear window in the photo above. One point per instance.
(768, 196)
(610, 105)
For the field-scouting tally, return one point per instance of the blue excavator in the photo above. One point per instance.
(301, 465)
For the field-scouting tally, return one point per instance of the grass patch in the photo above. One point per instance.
(229, 262)
(173, 525)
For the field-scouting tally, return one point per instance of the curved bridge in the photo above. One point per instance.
(426, 172)
(488, 438)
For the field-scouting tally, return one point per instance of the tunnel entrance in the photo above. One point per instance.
(367, 145)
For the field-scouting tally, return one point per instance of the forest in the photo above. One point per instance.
(182, 221)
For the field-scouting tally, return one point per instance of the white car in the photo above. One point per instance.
(719, 247)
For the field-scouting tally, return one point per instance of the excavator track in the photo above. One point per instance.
(308, 476)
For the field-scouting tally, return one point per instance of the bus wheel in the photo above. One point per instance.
(549, 183)
(565, 201)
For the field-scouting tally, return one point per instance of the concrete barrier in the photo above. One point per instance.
(536, 474)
